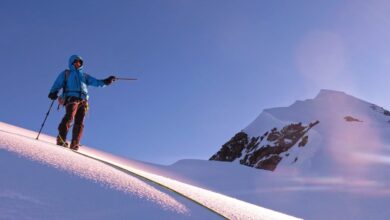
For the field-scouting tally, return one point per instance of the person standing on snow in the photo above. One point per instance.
(74, 83)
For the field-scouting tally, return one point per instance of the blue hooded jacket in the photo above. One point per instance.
(77, 81)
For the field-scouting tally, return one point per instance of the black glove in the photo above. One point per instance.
(109, 80)
(53, 95)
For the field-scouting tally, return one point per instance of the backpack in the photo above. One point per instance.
(62, 98)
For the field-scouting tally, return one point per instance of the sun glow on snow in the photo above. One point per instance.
(14, 139)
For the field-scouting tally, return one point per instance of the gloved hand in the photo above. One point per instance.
(53, 95)
(109, 80)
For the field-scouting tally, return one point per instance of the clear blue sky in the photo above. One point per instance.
(206, 68)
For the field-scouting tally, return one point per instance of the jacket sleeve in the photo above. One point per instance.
(59, 83)
(91, 81)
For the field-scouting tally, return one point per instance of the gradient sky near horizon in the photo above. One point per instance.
(206, 69)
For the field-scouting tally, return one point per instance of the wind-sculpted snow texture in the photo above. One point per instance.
(84, 167)
(16, 140)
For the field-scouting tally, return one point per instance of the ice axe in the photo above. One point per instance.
(122, 78)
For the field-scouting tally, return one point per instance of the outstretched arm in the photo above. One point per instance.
(92, 81)
(99, 83)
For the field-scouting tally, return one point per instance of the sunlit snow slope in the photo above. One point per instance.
(30, 190)
(341, 171)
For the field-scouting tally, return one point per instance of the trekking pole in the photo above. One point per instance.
(120, 78)
(47, 114)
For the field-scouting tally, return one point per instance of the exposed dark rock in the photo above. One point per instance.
(380, 110)
(270, 163)
(352, 119)
(253, 143)
(233, 148)
(273, 136)
(265, 155)
(304, 141)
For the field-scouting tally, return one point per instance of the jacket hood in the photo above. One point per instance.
(72, 59)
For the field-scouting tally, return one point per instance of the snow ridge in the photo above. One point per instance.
(86, 168)
(14, 140)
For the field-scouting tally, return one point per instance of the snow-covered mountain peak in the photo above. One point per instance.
(327, 98)
(338, 100)
(330, 93)
(329, 106)
(324, 96)
(313, 134)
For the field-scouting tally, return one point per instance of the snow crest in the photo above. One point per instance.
(87, 168)
(22, 142)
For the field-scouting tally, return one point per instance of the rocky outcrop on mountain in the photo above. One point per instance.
(351, 119)
(273, 142)
(380, 110)
(266, 151)
(233, 148)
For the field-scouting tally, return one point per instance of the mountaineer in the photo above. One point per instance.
(74, 82)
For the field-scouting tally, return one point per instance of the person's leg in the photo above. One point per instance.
(66, 122)
(78, 126)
